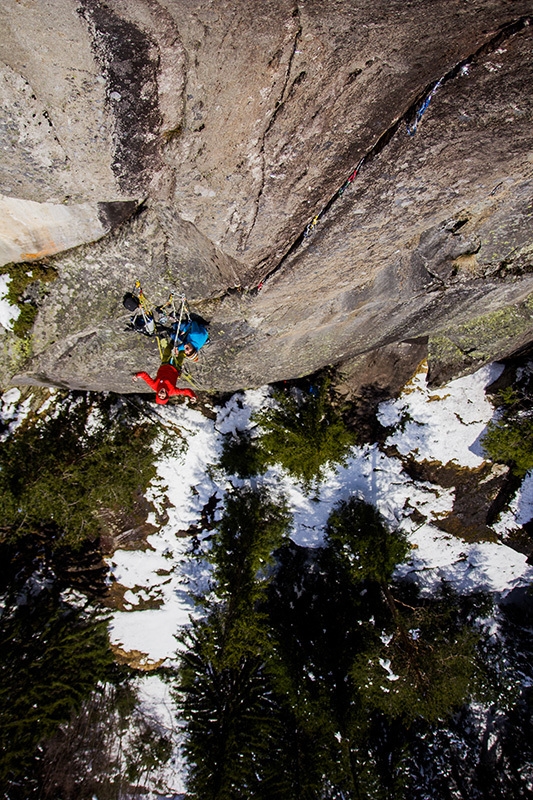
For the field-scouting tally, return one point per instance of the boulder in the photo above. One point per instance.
(322, 180)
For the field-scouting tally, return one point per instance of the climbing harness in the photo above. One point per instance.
(165, 322)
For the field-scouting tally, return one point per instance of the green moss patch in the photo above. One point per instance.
(479, 340)
(21, 277)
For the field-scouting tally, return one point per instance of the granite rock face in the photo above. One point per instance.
(326, 182)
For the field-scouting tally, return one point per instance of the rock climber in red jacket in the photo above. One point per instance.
(164, 383)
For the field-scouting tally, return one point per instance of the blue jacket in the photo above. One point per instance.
(192, 332)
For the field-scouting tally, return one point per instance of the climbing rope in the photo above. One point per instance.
(186, 376)
(145, 304)
(154, 316)
(176, 338)
(137, 302)
(352, 177)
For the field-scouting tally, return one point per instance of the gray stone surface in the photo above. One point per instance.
(234, 125)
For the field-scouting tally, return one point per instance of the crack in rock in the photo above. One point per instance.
(277, 107)
(411, 118)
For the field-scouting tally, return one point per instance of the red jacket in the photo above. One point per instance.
(166, 378)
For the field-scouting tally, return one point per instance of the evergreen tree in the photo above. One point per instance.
(425, 667)
(251, 529)
(226, 703)
(303, 432)
(241, 455)
(320, 618)
(316, 677)
(362, 542)
(425, 662)
(224, 690)
(509, 439)
(311, 608)
(52, 655)
(60, 471)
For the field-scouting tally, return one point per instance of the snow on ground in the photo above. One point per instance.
(8, 312)
(235, 415)
(443, 425)
(520, 510)
(12, 411)
(157, 706)
(438, 558)
(10, 402)
(163, 573)
(368, 474)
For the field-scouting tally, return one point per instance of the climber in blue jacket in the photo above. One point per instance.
(191, 337)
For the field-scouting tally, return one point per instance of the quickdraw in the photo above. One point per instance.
(314, 222)
(316, 219)
(351, 179)
(165, 322)
(151, 319)
(411, 129)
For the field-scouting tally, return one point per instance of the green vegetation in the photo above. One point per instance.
(425, 671)
(60, 471)
(70, 726)
(309, 673)
(52, 655)
(241, 455)
(108, 749)
(21, 277)
(251, 529)
(362, 541)
(223, 685)
(304, 432)
(228, 713)
(429, 656)
(509, 439)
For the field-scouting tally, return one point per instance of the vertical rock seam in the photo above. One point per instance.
(411, 118)
(127, 57)
(277, 107)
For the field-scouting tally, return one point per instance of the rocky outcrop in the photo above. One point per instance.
(31, 231)
(326, 182)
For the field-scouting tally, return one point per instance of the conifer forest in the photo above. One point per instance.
(302, 672)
